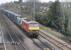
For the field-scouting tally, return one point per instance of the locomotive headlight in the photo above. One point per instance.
(33, 28)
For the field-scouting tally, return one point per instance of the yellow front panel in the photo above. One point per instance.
(33, 28)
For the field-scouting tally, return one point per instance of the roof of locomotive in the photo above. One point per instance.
(28, 21)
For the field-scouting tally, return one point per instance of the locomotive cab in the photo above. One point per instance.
(34, 28)
(30, 26)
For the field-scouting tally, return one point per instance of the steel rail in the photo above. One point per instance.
(62, 46)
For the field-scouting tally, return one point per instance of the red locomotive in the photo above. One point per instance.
(30, 26)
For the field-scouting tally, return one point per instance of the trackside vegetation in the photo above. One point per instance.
(54, 18)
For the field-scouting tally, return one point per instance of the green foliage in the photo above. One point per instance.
(42, 18)
(53, 16)
(54, 12)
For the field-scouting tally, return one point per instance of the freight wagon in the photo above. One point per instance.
(31, 27)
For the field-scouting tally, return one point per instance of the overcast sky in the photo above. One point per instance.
(4, 1)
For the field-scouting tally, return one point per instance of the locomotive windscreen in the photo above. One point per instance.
(33, 25)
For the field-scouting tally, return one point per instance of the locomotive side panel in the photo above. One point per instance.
(25, 26)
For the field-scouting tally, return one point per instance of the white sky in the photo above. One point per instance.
(4, 1)
(46, 0)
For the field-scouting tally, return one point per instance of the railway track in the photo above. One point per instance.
(6, 45)
(42, 45)
(45, 42)
(38, 43)
(13, 43)
(61, 45)
(20, 42)
(2, 44)
(14, 37)
(3, 41)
